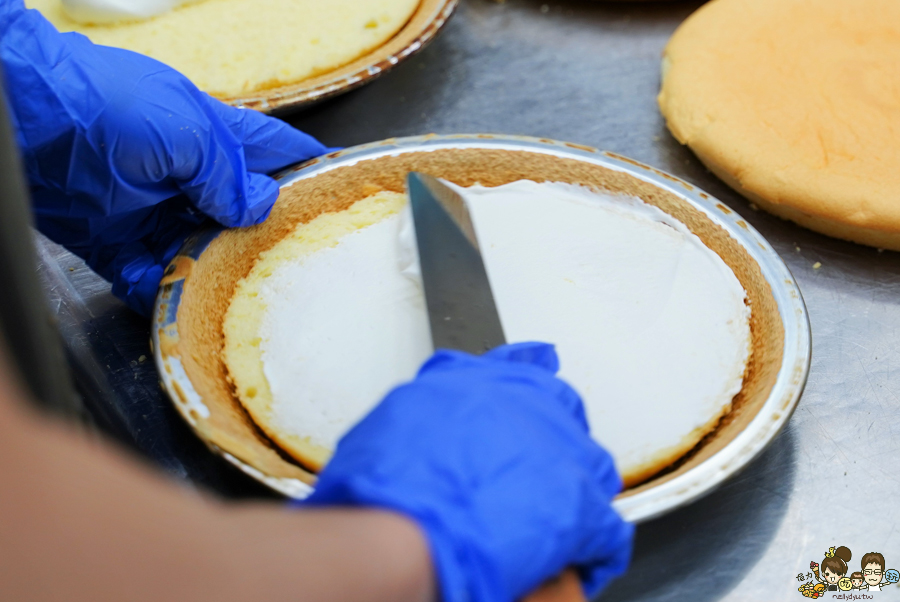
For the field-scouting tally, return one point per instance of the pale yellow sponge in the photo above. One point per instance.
(231, 48)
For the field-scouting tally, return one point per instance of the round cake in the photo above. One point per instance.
(796, 105)
(231, 48)
(652, 327)
(346, 198)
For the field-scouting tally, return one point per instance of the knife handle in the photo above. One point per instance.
(566, 587)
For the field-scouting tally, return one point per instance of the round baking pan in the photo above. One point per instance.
(187, 340)
(422, 27)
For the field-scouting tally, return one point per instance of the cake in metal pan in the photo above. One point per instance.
(236, 48)
(652, 327)
(332, 205)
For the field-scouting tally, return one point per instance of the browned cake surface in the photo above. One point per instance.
(795, 104)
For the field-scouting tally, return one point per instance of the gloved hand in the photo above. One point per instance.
(109, 137)
(491, 456)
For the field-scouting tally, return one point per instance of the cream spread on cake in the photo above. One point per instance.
(651, 326)
(231, 48)
(114, 11)
(358, 328)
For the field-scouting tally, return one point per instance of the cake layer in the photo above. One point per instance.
(651, 326)
(234, 47)
(796, 105)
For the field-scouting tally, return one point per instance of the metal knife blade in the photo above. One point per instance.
(461, 308)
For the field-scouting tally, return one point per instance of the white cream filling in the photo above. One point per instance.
(115, 11)
(342, 327)
(650, 325)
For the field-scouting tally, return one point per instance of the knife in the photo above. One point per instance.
(461, 308)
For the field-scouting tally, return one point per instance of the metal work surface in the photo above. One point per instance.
(588, 72)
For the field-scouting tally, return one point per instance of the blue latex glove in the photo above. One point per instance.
(109, 137)
(491, 456)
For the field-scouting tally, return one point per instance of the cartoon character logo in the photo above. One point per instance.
(813, 591)
(892, 576)
(873, 571)
(834, 567)
(832, 576)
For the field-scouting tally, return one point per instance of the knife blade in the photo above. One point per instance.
(461, 308)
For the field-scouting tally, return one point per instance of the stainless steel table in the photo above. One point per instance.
(588, 72)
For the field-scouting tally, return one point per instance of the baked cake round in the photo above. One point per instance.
(651, 326)
(232, 48)
(796, 105)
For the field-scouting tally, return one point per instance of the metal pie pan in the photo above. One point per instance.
(646, 501)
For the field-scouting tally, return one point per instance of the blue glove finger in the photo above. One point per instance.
(528, 355)
(537, 354)
(269, 144)
(137, 268)
(262, 192)
(533, 354)
(137, 278)
(189, 146)
(544, 356)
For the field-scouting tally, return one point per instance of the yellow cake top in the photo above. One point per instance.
(794, 102)
(231, 48)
